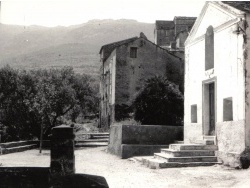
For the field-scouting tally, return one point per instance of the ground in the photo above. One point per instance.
(125, 173)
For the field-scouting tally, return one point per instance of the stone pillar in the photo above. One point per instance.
(62, 154)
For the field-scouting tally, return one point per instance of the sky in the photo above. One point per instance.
(72, 12)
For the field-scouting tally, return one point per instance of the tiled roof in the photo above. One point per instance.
(161, 24)
(240, 5)
(108, 48)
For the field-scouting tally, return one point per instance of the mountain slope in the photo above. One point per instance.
(36, 47)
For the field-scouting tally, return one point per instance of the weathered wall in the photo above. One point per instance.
(231, 141)
(115, 140)
(107, 90)
(247, 81)
(134, 140)
(228, 72)
(131, 73)
(151, 134)
(122, 76)
(164, 37)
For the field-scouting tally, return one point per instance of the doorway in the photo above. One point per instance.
(209, 117)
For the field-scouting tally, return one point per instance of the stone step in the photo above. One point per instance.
(179, 147)
(154, 163)
(164, 157)
(205, 142)
(187, 153)
(98, 134)
(92, 144)
(92, 140)
(209, 137)
(18, 148)
(179, 142)
(96, 137)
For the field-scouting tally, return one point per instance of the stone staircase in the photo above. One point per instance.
(179, 154)
(93, 140)
(12, 147)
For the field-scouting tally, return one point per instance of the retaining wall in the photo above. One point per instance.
(136, 140)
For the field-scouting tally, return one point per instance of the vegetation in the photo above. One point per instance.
(34, 101)
(159, 103)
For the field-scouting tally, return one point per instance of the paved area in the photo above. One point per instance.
(124, 173)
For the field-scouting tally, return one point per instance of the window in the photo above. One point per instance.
(209, 48)
(228, 109)
(133, 52)
(194, 113)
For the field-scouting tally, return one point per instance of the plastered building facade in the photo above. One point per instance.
(126, 65)
(217, 79)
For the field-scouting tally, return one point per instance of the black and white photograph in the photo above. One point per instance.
(124, 94)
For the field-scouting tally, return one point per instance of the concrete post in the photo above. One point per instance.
(62, 154)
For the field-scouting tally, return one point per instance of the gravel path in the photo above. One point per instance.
(125, 173)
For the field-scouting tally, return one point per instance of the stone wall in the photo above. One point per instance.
(151, 134)
(164, 37)
(107, 90)
(247, 80)
(231, 142)
(131, 73)
(122, 76)
(134, 140)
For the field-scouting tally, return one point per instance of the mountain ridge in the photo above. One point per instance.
(29, 47)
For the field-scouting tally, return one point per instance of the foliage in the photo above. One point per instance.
(122, 111)
(159, 103)
(30, 100)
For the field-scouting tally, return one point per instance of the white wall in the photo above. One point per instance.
(229, 73)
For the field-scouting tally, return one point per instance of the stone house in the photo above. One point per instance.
(217, 79)
(171, 35)
(125, 66)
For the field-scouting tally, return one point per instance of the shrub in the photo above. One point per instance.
(159, 103)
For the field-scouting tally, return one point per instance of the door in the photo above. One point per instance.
(211, 109)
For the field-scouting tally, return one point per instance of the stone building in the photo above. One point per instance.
(171, 35)
(125, 66)
(217, 79)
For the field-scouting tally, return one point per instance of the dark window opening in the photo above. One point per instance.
(228, 109)
(194, 113)
(209, 48)
(133, 52)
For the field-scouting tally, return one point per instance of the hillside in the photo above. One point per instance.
(36, 47)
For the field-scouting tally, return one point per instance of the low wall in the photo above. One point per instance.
(231, 142)
(61, 172)
(24, 177)
(135, 140)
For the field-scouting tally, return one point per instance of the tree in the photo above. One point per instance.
(159, 103)
(16, 88)
(33, 102)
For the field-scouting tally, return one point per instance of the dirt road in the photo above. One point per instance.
(124, 173)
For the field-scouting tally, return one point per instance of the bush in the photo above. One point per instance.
(159, 103)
